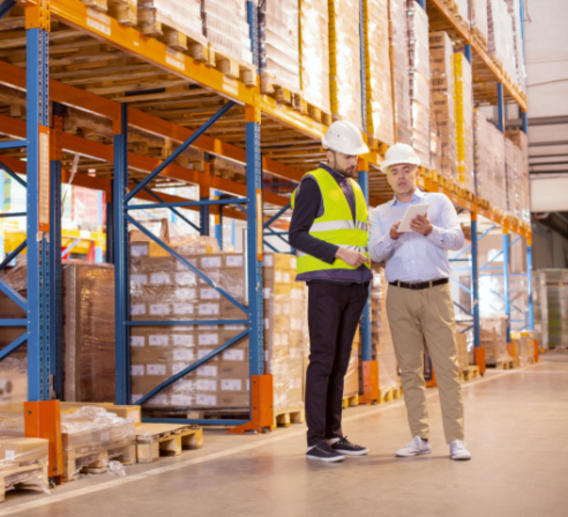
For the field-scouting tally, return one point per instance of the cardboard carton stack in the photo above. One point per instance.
(478, 17)
(500, 40)
(443, 110)
(493, 336)
(521, 183)
(314, 53)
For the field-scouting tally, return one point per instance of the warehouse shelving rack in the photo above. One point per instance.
(270, 129)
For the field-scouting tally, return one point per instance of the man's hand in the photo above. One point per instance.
(421, 224)
(394, 231)
(352, 257)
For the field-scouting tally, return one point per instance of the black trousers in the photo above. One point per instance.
(333, 314)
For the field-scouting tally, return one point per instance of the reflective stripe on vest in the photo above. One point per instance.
(336, 224)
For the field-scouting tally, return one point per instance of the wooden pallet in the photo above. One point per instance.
(287, 417)
(30, 477)
(154, 440)
(505, 365)
(469, 373)
(390, 395)
(99, 5)
(230, 66)
(352, 400)
(95, 461)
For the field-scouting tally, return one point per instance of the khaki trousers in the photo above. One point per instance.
(415, 317)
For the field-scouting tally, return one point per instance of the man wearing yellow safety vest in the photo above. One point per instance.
(329, 231)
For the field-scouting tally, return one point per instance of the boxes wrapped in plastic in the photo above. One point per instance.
(12, 419)
(551, 289)
(399, 71)
(500, 41)
(521, 185)
(493, 336)
(345, 60)
(463, 103)
(279, 49)
(226, 28)
(478, 19)
(520, 77)
(314, 53)
(442, 108)
(380, 124)
(23, 464)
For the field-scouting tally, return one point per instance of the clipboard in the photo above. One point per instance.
(411, 212)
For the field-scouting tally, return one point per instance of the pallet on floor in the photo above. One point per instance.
(469, 373)
(351, 400)
(508, 364)
(96, 461)
(30, 477)
(287, 417)
(390, 394)
(230, 66)
(155, 439)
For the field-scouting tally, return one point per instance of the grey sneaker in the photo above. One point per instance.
(323, 452)
(344, 446)
(458, 451)
(416, 447)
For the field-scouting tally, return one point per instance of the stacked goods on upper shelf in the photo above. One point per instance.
(399, 71)
(520, 76)
(478, 17)
(419, 72)
(522, 183)
(442, 109)
(279, 53)
(226, 28)
(493, 337)
(514, 166)
(463, 83)
(314, 53)
(377, 73)
(462, 7)
(345, 60)
(490, 162)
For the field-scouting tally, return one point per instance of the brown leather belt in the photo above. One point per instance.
(420, 285)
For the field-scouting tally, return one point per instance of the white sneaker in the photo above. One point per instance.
(458, 451)
(416, 447)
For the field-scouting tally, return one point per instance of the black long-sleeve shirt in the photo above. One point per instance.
(308, 205)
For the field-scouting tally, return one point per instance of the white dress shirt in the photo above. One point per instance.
(413, 257)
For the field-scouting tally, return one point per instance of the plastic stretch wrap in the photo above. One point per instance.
(490, 162)
(522, 347)
(463, 103)
(88, 332)
(378, 73)
(181, 15)
(12, 419)
(383, 348)
(13, 381)
(345, 60)
(500, 41)
(419, 73)
(16, 278)
(478, 17)
(279, 52)
(520, 185)
(493, 336)
(399, 71)
(226, 27)
(551, 288)
(443, 109)
(23, 463)
(314, 53)
(463, 8)
(520, 76)
(92, 428)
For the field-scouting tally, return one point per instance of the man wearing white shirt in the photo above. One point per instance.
(419, 305)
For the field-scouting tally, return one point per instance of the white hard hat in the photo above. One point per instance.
(344, 137)
(399, 153)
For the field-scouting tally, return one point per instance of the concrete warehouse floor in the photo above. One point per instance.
(516, 429)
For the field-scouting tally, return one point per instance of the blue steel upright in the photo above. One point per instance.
(506, 294)
(475, 281)
(365, 326)
(37, 134)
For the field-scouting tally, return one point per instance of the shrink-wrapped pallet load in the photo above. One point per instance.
(345, 60)
(500, 41)
(522, 185)
(314, 53)
(443, 109)
(378, 73)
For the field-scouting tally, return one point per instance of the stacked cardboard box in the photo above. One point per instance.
(279, 52)
(478, 17)
(514, 163)
(493, 336)
(226, 28)
(462, 7)
(419, 72)
(285, 330)
(378, 74)
(521, 185)
(23, 462)
(442, 96)
(399, 71)
(500, 40)
(345, 60)
(314, 53)
(518, 44)
(463, 103)
(551, 288)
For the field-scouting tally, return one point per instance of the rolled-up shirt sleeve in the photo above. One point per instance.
(448, 234)
(381, 245)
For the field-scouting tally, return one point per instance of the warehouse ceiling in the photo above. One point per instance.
(546, 44)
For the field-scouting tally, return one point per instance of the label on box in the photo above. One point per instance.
(137, 341)
(159, 309)
(208, 309)
(234, 355)
(178, 399)
(213, 262)
(266, 323)
(235, 326)
(208, 293)
(186, 293)
(160, 278)
(267, 293)
(137, 370)
(138, 279)
(158, 340)
(207, 370)
(295, 323)
(139, 250)
(10, 455)
(161, 398)
(297, 294)
(208, 327)
(183, 385)
(183, 308)
(234, 260)
(208, 339)
(231, 384)
(156, 369)
(177, 367)
(206, 384)
(183, 354)
(205, 400)
(268, 260)
(186, 278)
(182, 339)
(135, 397)
(137, 309)
(278, 276)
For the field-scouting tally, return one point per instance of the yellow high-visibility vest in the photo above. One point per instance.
(336, 224)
